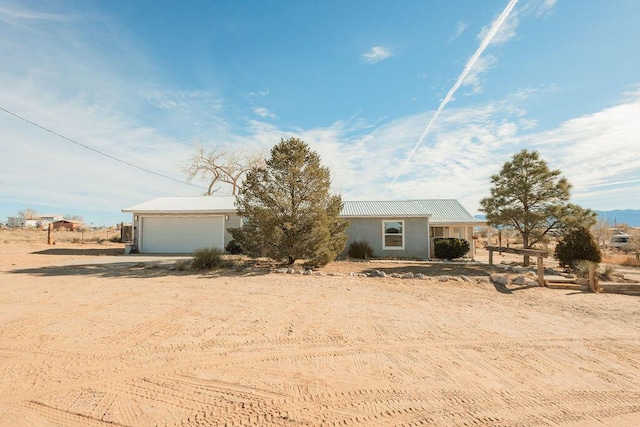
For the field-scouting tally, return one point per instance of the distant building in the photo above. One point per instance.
(37, 221)
(66, 224)
(15, 221)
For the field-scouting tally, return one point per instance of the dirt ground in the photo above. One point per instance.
(92, 337)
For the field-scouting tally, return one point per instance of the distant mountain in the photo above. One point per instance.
(631, 217)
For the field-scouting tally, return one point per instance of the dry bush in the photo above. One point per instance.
(36, 235)
(621, 259)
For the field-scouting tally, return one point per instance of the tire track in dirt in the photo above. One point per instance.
(173, 387)
(372, 358)
(285, 348)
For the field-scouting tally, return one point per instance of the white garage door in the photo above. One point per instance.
(181, 234)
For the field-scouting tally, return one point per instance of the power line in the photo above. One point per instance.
(97, 151)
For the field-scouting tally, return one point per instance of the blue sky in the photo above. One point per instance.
(361, 82)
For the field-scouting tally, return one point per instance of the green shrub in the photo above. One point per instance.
(450, 247)
(608, 273)
(577, 244)
(582, 266)
(233, 247)
(208, 259)
(360, 250)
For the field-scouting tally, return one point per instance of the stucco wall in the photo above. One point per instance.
(370, 230)
(232, 222)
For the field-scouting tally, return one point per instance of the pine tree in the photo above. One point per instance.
(534, 200)
(288, 209)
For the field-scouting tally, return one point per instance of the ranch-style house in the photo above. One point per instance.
(394, 229)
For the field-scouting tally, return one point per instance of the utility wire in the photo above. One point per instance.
(97, 151)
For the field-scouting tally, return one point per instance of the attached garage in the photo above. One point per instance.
(180, 225)
(180, 234)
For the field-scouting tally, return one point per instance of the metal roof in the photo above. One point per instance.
(187, 204)
(439, 211)
(383, 209)
(446, 211)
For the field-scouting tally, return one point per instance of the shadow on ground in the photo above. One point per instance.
(511, 288)
(134, 269)
(82, 251)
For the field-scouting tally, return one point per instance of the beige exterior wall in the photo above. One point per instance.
(416, 238)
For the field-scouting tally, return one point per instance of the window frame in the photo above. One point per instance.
(385, 234)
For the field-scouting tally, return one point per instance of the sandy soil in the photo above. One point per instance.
(89, 337)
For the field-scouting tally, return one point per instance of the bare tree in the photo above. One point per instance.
(72, 217)
(634, 244)
(602, 230)
(222, 166)
(27, 213)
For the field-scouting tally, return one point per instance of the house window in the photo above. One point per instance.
(457, 231)
(438, 231)
(393, 235)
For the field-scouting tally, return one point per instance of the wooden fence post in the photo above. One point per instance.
(540, 271)
(593, 282)
(49, 238)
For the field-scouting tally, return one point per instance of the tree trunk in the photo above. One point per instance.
(525, 243)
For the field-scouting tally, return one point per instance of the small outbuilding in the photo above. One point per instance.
(65, 224)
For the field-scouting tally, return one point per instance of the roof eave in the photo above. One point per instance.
(150, 211)
(384, 216)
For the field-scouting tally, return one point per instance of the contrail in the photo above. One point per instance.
(467, 69)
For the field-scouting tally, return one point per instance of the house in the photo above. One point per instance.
(394, 229)
(406, 229)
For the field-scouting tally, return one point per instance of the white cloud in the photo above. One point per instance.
(460, 28)
(596, 152)
(506, 31)
(545, 8)
(15, 14)
(598, 149)
(264, 113)
(475, 78)
(376, 54)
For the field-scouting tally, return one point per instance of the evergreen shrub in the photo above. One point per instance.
(577, 244)
(233, 247)
(360, 250)
(450, 247)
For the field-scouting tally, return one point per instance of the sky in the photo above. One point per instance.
(103, 102)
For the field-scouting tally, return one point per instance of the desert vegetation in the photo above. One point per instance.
(80, 236)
